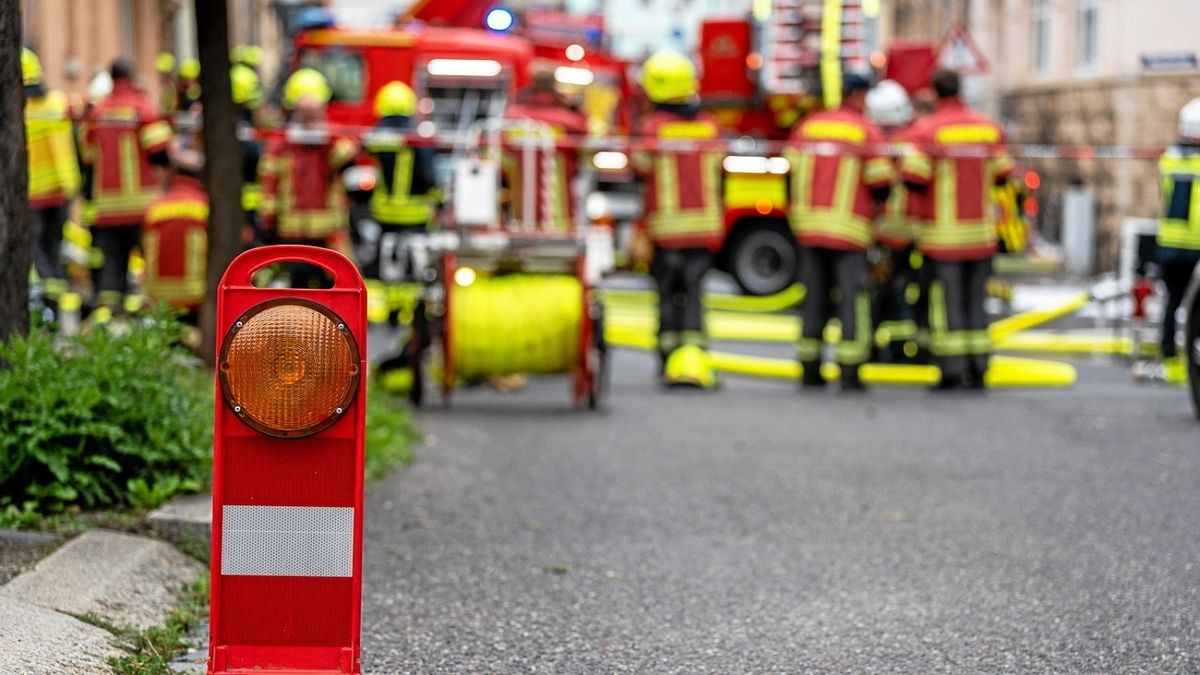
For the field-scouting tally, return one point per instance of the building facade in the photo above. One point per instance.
(1079, 72)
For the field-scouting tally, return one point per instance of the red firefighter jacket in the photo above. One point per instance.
(956, 156)
(119, 136)
(175, 244)
(898, 223)
(683, 186)
(835, 165)
(552, 172)
(303, 195)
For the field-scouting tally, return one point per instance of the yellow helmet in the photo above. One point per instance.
(164, 63)
(250, 55)
(31, 68)
(305, 82)
(395, 98)
(669, 77)
(189, 69)
(246, 87)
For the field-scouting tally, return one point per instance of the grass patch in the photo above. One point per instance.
(154, 648)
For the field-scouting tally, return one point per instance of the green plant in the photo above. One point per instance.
(390, 433)
(113, 418)
(153, 649)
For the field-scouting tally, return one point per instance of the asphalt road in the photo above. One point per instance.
(760, 530)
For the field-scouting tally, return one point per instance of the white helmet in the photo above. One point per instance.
(888, 104)
(1189, 120)
(100, 87)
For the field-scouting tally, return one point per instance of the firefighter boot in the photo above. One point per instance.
(688, 366)
(811, 378)
(851, 382)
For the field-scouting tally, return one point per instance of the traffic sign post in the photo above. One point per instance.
(288, 469)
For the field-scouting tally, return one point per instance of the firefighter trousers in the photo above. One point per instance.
(115, 242)
(1177, 266)
(892, 310)
(827, 273)
(958, 336)
(46, 234)
(679, 275)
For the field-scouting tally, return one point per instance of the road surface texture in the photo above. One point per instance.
(761, 530)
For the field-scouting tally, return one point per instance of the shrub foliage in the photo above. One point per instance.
(109, 419)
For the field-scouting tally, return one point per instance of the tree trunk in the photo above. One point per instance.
(223, 159)
(14, 199)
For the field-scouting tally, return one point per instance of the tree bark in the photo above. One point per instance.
(223, 159)
(14, 198)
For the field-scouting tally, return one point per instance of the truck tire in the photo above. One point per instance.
(763, 259)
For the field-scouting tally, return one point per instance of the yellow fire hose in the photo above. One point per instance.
(1036, 317)
(787, 298)
(519, 323)
(1005, 371)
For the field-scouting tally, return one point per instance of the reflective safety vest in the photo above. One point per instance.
(402, 194)
(957, 156)
(50, 141)
(552, 170)
(175, 244)
(834, 169)
(119, 136)
(303, 195)
(683, 187)
(1179, 170)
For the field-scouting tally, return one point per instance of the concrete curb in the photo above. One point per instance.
(117, 578)
(186, 522)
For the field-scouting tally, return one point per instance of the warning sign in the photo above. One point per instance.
(960, 53)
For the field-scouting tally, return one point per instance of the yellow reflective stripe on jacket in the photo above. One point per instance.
(155, 134)
(1177, 229)
(917, 163)
(252, 196)
(50, 144)
(181, 209)
(395, 204)
(185, 290)
(312, 224)
(838, 220)
(671, 220)
(946, 230)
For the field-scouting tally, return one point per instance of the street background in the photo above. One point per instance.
(897, 532)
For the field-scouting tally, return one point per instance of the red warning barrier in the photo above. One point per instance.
(288, 469)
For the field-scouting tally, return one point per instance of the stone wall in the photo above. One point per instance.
(1139, 110)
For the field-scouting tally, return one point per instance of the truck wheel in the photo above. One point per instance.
(763, 260)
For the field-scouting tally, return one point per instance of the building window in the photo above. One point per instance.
(1041, 35)
(1089, 32)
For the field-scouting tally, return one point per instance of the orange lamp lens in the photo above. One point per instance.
(289, 367)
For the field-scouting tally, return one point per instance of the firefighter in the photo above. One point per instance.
(554, 173)
(1178, 230)
(164, 65)
(53, 176)
(304, 201)
(246, 90)
(894, 272)
(123, 140)
(834, 196)
(683, 220)
(175, 235)
(187, 85)
(403, 206)
(954, 159)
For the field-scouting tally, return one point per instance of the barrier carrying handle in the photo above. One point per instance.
(241, 271)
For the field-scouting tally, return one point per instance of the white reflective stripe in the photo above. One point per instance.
(287, 541)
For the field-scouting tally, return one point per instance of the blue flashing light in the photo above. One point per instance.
(500, 19)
